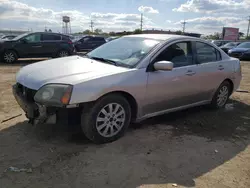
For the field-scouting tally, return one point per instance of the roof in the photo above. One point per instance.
(44, 32)
(158, 36)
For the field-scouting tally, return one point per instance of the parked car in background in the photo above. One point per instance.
(229, 46)
(111, 38)
(88, 43)
(37, 44)
(8, 37)
(129, 79)
(242, 51)
(220, 42)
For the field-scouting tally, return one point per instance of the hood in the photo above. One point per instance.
(227, 47)
(67, 70)
(239, 49)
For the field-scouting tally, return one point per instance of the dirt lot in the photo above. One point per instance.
(193, 148)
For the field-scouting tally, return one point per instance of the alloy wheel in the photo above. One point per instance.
(222, 96)
(63, 54)
(9, 57)
(110, 120)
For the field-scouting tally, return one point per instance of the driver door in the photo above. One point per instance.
(176, 88)
(30, 46)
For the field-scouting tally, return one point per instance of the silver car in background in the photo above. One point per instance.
(128, 79)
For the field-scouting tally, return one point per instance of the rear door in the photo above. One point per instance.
(50, 43)
(84, 43)
(212, 70)
(97, 41)
(29, 46)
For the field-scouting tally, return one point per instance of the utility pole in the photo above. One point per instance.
(92, 25)
(183, 26)
(141, 21)
(248, 26)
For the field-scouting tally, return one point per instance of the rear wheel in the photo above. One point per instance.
(107, 120)
(221, 96)
(9, 56)
(63, 53)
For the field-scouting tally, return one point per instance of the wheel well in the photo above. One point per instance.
(231, 84)
(130, 99)
(11, 50)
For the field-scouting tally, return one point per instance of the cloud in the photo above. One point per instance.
(25, 16)
(218, 13)
(210, 24)
(168, 21)
(145, 9)
(215, 6)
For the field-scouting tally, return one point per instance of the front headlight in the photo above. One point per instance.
(54, 94)
(247, 52)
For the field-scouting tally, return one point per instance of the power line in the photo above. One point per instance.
(248, 26)
(141, 21)
(183, 26)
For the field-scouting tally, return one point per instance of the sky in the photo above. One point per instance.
(202, 16)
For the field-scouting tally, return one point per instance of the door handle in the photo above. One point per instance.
(190, 73)
(36, 46)
(220, 67)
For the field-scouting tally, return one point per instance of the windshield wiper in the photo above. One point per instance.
(103, 60)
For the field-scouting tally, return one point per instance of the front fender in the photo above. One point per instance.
(132, 82)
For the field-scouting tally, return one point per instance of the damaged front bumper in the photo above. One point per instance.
(37, 113)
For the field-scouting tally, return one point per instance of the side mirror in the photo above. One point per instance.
(163, 65)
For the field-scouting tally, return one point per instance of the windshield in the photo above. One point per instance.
(20, 36)
(230, 44)
(244, 45)
(126, 51)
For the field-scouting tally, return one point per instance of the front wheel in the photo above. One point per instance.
(107, 120)
(221, 96)
(9, 56)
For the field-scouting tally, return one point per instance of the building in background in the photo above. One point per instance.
(12, 32)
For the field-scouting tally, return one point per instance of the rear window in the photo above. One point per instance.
(65, 38)
(49, 37)
(206, 53)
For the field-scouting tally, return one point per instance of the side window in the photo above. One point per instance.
(48, 37)
(98, 39)
(85, 39)
(65, 38)
(33, 38)
(206, 53)
(180, 54)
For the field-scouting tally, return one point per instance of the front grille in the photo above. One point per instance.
(236, 54)
(27, 93)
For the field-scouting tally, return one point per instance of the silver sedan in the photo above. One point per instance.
(128, 79)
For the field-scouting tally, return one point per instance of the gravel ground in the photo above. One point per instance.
(192, 148)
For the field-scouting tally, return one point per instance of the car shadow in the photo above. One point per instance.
(23, 62)
(173, 148)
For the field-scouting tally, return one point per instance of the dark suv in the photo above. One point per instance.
(88, 43)
(38, 44)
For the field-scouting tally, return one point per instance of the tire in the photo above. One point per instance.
(9, 56)
(225, 88)
(100, 131)
(63, 53)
